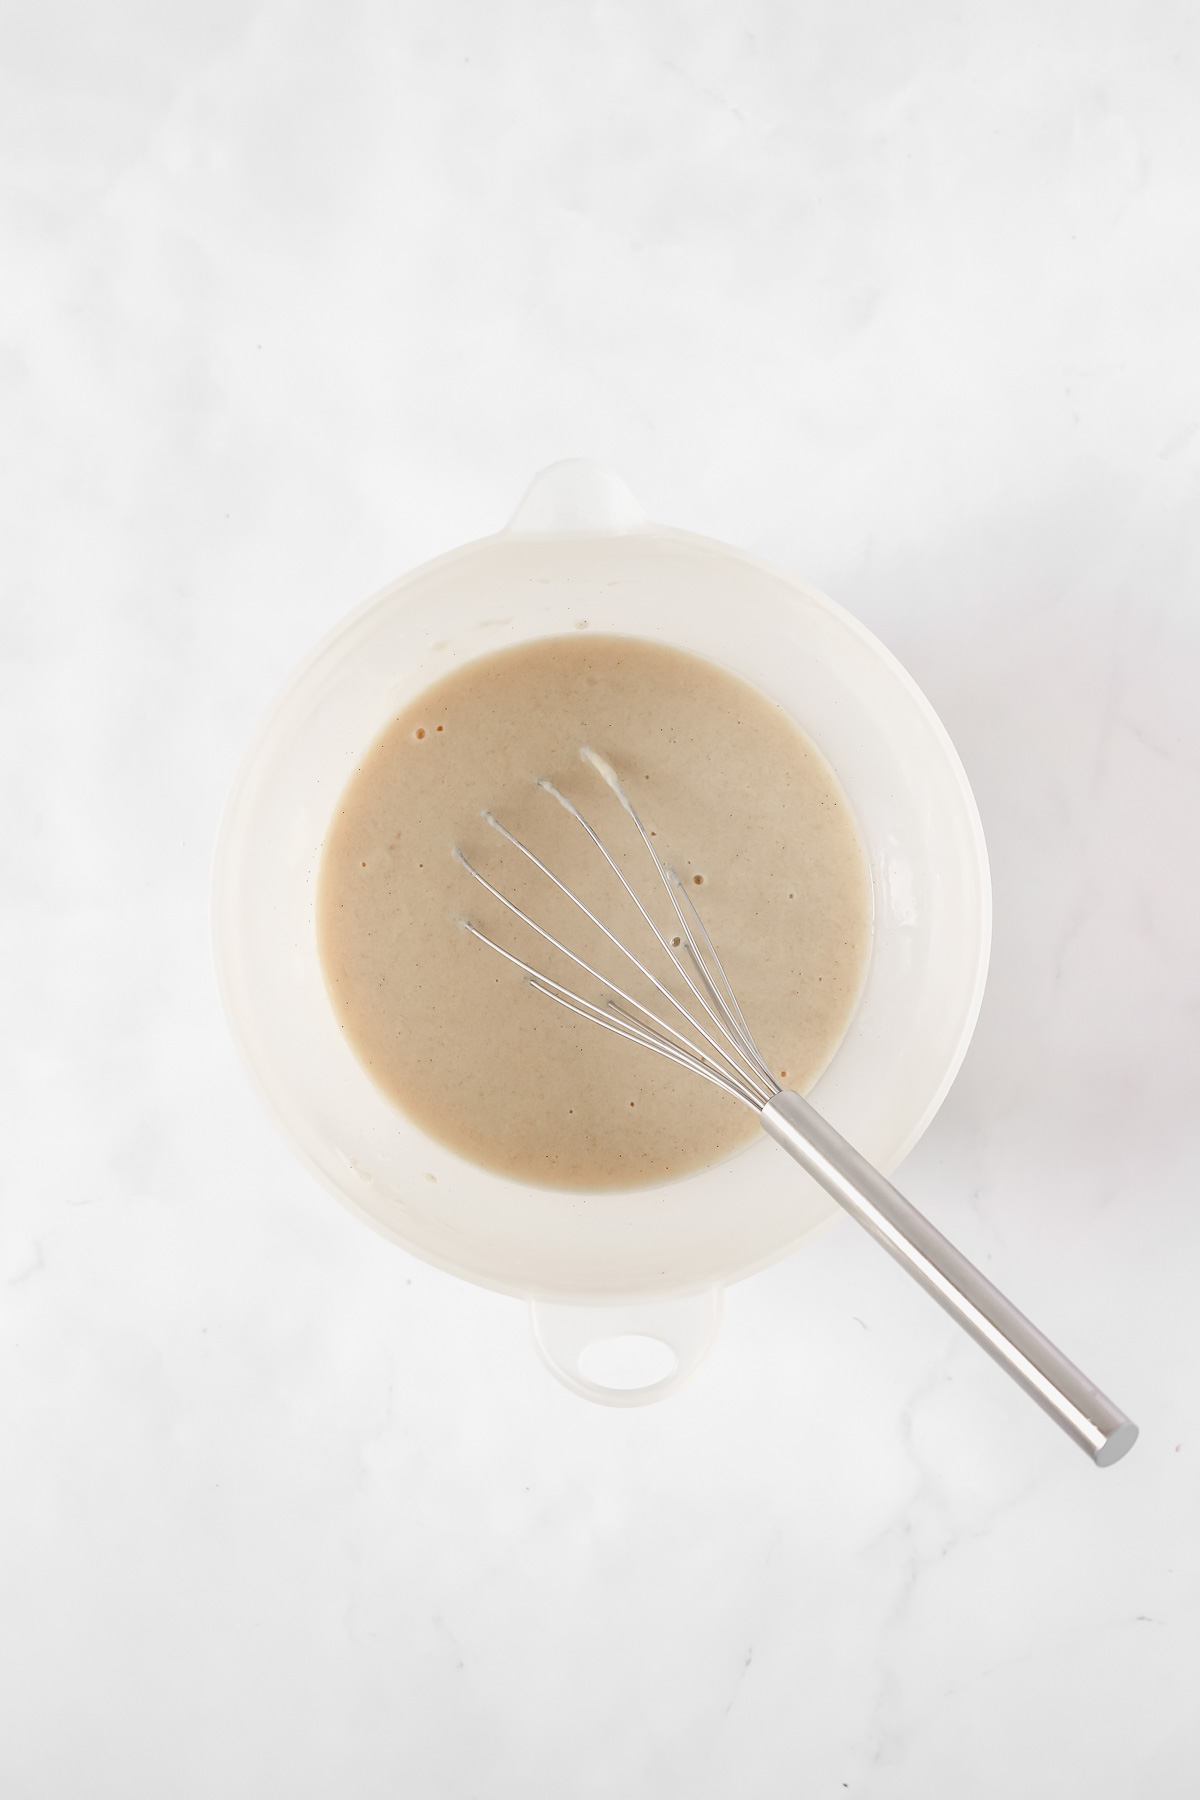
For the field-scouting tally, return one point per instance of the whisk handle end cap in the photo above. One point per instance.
(1118, 1444)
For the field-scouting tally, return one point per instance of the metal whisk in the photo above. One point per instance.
(719, 1047)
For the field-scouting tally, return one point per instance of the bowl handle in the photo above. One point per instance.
(579, 498)
(565, 1335)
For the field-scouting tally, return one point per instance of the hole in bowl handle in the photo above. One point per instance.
(564, 1335)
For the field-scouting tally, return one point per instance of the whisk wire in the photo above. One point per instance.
(630, 1028)
(652, 1040)
(659, 1042)
(747, 1075)
(727, 1002)
(715, 1017)
(731, 1075)
(730, 1022)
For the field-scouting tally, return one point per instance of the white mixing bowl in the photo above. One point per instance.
(579, 555)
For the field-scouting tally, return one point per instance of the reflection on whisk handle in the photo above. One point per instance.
(1084, 1413)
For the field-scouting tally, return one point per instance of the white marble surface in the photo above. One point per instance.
(296, 296)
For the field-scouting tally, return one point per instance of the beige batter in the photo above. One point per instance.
(742, 806)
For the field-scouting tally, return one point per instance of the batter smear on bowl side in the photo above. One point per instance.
(743, 807)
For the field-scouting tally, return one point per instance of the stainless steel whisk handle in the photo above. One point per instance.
(1061, 1389)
